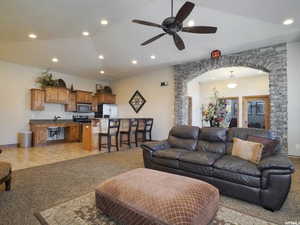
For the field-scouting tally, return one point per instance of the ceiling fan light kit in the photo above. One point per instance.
(172, 25)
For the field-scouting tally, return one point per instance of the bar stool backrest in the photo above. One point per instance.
(141, 124)
(133, 124)
(148, 124)
(113, 126)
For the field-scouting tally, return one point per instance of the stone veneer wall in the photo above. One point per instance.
(271, 59)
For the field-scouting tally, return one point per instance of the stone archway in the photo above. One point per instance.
(272, 59)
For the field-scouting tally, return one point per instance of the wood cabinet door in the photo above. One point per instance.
(88, 98)
(95, 104)
(51, 95)
(40, 136)
(71, 105)
(73, 133)
(63, 95)
(80, 97)
(37, 100)
(106, 99)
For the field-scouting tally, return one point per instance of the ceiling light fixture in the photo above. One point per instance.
(153, 57)
(134, 62)
(102, 72)
(232, 84)
(191, 23)
(55, 60)
(101, 57)
(32, 36)
(104, 22)
(288, 21)
(85, 33)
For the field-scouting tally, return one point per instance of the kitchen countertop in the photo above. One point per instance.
(50, 121)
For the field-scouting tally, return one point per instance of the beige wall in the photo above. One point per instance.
(248, 86)
(293, 98)
(15, 113)
(160, 100)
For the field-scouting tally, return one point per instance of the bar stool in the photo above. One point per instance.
(112, 131)
(144, 128)
(131, 130)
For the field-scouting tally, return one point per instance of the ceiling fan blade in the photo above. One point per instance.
(178, 42)
(184, 12)
(200, 29)
(153, 39)
(146, 23)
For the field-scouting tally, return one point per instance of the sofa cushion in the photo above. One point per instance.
(171, 153)
(237, 165)
(213, 134)
(196, 168)
(237, 178)
(173, 163)
(184, 137)
(269, 145)
(213, 147)
(247, 150)
(244, 133)
(200, 158)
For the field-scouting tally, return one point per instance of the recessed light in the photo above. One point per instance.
(191, 23)
(134, 62)
(104, 22)
(102, 72)
(32, 36)
(85, 33)
(101, 57)
(288, 21)
(55, 60)
(153, 57)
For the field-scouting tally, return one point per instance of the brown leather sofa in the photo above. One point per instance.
(206, 154)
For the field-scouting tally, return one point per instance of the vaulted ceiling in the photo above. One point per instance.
(59, 25)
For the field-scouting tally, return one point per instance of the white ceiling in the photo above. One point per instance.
(225, 74)
(59, 23)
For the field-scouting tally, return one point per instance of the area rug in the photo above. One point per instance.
(83, 211)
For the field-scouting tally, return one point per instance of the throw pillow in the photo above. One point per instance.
(250, 151)
(269, 144)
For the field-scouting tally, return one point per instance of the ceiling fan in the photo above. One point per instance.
(172, 25)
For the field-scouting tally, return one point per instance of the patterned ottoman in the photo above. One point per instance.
(149, 197)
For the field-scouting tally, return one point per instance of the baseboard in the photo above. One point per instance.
(9, 146)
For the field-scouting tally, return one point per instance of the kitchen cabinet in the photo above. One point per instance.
(71, 106)
(57, 95)
(84, 97)
(73, 133)
(37, 99)
(105, 98)
(40, 135)
(63, 95)
(95, 104)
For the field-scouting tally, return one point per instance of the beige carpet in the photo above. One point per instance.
(40, 188)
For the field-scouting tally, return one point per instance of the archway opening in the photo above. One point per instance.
(230, 97)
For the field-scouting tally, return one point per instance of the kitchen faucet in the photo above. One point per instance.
(56, 118)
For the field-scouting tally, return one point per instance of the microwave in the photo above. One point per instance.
(84, 108)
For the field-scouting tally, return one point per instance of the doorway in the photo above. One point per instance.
(256, 112)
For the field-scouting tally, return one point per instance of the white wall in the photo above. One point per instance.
(15, 84)
(248, 86)
(160, 100)
(293, 68)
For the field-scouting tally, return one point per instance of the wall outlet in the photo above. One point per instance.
(297, 146)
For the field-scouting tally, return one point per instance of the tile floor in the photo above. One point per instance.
(22, 158)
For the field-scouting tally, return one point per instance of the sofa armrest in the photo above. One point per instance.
(155, 146)
(278, 161)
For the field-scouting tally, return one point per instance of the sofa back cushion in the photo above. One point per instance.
(185, 137)
(213, 134)
(244, 133)
(213, 147)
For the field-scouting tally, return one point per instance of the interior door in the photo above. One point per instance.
(256, 112)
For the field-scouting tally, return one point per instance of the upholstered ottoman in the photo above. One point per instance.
(149, 197)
